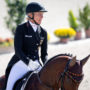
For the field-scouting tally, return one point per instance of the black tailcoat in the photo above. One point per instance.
(27, 43)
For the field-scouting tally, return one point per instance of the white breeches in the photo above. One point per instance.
(19, 69)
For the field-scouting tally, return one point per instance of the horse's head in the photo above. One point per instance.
(73, 73)
(63, 71)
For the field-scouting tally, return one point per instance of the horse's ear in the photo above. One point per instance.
(73, 61)
(83, 61)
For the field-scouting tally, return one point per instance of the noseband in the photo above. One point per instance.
(62, 76)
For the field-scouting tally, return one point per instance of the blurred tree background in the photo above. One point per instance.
(16, 13)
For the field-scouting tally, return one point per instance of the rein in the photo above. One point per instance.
(63, 75)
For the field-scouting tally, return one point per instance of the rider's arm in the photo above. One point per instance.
(44, 48)
(18, 43)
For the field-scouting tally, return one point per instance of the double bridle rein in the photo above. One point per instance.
(62, 77)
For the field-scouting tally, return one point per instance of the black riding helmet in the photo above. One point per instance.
(34, 7)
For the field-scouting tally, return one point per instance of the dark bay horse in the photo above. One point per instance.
(60, 72)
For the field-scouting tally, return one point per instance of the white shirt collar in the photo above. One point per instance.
(34, 26)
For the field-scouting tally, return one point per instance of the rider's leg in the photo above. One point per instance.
(17, 71)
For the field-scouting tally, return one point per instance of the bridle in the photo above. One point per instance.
(62, 77)
(70, 75)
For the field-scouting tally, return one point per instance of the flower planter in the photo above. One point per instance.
(64, 40)
(87, 33)
(65, 34)
(78, 35)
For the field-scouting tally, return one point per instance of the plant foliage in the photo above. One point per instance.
(84, 16)
(73, 21)
(65, 32)
(16, 13)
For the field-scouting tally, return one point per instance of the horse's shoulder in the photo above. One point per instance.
(34, 77)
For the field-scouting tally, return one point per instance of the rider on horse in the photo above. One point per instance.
(29, 37)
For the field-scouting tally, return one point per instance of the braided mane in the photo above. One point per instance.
(61, 55)
(70, 55)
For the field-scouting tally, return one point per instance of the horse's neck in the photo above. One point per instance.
(51, 71)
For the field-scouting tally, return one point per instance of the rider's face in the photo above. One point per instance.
(38, 16)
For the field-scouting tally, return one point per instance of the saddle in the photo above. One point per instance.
(19, 83)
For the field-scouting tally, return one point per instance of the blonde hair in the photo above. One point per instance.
(27, 18)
